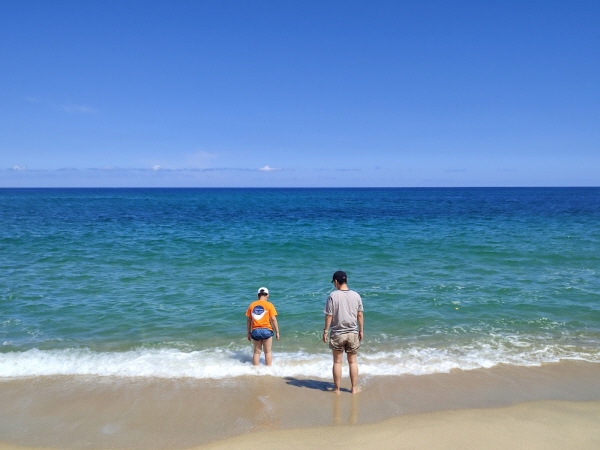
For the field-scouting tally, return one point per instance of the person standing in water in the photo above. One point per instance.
(344, 316)
(261, 325)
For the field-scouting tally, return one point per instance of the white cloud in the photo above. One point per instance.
(19, 168)
(155, 168)
(269, 169)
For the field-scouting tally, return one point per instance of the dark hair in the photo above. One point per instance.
(340, 276)
(262, 294)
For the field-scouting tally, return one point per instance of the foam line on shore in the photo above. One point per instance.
(227, 363)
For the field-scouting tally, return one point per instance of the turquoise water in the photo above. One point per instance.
(155, 282)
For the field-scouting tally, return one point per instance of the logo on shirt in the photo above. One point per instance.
(258, 312)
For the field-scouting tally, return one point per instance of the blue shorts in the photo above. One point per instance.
(261, 334)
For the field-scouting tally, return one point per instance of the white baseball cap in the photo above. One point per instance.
(263, 290)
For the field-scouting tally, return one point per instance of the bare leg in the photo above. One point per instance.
(267, 343)
(257, 350)
(337, 370)
(353, 365)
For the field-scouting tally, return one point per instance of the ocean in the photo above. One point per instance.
(155, 283)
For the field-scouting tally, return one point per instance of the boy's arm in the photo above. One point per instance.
(249, 328)
(275, 326)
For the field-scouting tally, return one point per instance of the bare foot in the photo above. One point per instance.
(337, 391)
(355, 390)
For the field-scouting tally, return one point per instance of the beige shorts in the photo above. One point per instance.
(348, 342)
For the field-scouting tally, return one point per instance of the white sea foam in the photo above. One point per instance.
(227, 363)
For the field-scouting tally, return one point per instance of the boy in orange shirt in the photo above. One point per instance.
(260, 324)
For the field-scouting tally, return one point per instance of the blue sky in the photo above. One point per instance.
(299, 93)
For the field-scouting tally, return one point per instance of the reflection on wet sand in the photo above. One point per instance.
(339, 405)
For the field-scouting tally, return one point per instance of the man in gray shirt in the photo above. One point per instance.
(344, 315)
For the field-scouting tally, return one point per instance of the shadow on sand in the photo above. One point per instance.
(312, 384)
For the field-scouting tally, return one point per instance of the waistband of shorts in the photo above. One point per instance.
(345, 332)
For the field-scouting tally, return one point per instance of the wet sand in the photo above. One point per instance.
(544, 425)
(542, 405)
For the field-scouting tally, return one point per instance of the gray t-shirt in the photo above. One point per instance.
(343, 306)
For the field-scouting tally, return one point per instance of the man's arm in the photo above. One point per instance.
(275, 325)
(249, 328)
(361, 325)
(326, 329)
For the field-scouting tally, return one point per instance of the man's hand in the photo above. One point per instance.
(249, 336)
(325, 333)
(360, 336)
(277, 335)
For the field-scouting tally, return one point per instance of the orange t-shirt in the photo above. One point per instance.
(261, 312)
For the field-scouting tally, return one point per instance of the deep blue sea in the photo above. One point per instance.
(156, 282)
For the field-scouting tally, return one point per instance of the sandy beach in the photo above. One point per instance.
(502, 407)
(537, 425)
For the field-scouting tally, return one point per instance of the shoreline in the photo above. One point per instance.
(125, 413)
